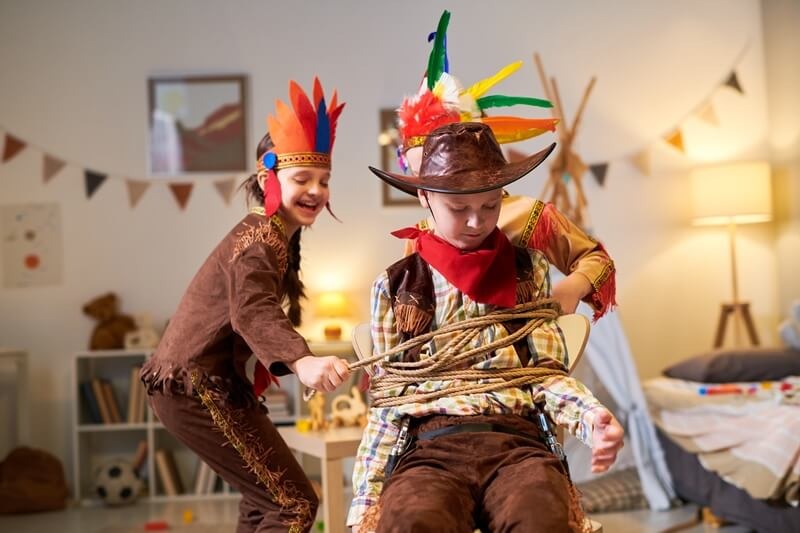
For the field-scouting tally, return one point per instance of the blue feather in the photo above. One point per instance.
(323, 141)
(432, 36)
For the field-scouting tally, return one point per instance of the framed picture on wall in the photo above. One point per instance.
(389, 140)
(197, 124)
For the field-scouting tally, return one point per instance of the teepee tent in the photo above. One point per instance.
(607, 368)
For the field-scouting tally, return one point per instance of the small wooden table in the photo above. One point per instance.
(330, 446)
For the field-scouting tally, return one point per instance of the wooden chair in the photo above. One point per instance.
(576, 333)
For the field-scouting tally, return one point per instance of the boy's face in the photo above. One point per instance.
(463, 220)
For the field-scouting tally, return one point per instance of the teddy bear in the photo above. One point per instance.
(109, 332)
(145, 336)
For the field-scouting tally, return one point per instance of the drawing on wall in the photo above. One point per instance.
(31, 245)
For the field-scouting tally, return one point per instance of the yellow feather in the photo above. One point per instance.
(479, 89)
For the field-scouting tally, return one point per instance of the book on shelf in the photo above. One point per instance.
(102, 401)
(277, 402)
(140, 456)
(168, 472)
(201, 476)
(111, 398)
(134, 392)
(91, 403)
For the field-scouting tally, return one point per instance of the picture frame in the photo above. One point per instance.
(389, 141)
(197, 124)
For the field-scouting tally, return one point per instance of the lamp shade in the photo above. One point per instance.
(737, 193)
(332, 305)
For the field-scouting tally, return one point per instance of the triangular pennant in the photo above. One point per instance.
(51, 167)
(514, 156)
(675, 139)
(733, 82)
(13, 147)
(136, 189)
(641, 161)
(181, 191)
(93, 181)
(708, 114)
(225, 188)
(599, 170)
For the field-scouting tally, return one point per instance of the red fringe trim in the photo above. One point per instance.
(604, 297)
(544, 230)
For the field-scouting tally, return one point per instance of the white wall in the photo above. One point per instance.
(782, 45)
(73, 81)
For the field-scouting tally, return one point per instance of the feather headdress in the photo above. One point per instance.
(302, 135)
(442, 100)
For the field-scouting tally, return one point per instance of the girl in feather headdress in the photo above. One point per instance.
(232, 311)
(526, 221)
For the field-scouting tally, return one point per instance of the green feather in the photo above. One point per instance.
(436, 59)
(499, 100)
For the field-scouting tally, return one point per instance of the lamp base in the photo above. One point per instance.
(743, 310)
(333, 333)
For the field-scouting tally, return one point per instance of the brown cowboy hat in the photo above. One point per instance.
(463, 158)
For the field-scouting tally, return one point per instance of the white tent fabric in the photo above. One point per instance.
(609, 357)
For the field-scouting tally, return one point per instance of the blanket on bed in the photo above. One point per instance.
(747, 433)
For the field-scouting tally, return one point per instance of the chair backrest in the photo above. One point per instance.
(575, 328)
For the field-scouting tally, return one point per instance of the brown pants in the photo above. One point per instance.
(494, 481)
(246, 450)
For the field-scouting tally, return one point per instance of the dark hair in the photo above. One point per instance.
(294, 289)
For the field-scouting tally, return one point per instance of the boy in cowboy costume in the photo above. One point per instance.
(527, 222)
(479, 458)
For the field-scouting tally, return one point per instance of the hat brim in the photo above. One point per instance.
(468, 182)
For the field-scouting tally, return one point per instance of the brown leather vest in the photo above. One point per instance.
(414, 302)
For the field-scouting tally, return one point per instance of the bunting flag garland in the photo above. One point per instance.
(181, 191)
(51, 167)
(226, 188)
(93, 181)
(13, 146)
(136, 189)
(599, 172)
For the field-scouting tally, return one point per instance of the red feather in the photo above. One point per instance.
(272, 194)
(318, 94)
(333, 116)
(304, 111)
(421, 115)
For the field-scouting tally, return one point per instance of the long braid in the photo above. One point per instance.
(295, 290)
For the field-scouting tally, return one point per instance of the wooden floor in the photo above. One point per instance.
(220, 516)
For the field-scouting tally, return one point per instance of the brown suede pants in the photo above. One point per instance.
(494, 481)
(246, 450)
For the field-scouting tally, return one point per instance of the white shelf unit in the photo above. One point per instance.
(94, 444)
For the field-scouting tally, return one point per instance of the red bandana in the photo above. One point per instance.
(487, 274)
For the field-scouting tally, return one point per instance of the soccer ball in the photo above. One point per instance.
(116, 483)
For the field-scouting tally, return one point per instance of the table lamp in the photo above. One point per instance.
(333, 305)
(732, 194)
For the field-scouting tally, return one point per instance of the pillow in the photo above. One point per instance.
(613, 492)
(723, 366)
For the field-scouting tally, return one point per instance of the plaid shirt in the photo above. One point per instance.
(565, 399)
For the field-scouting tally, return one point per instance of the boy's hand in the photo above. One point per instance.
(571, 290)
(321, 373)
(606, 438)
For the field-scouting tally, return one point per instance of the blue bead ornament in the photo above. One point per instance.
(269, 159)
